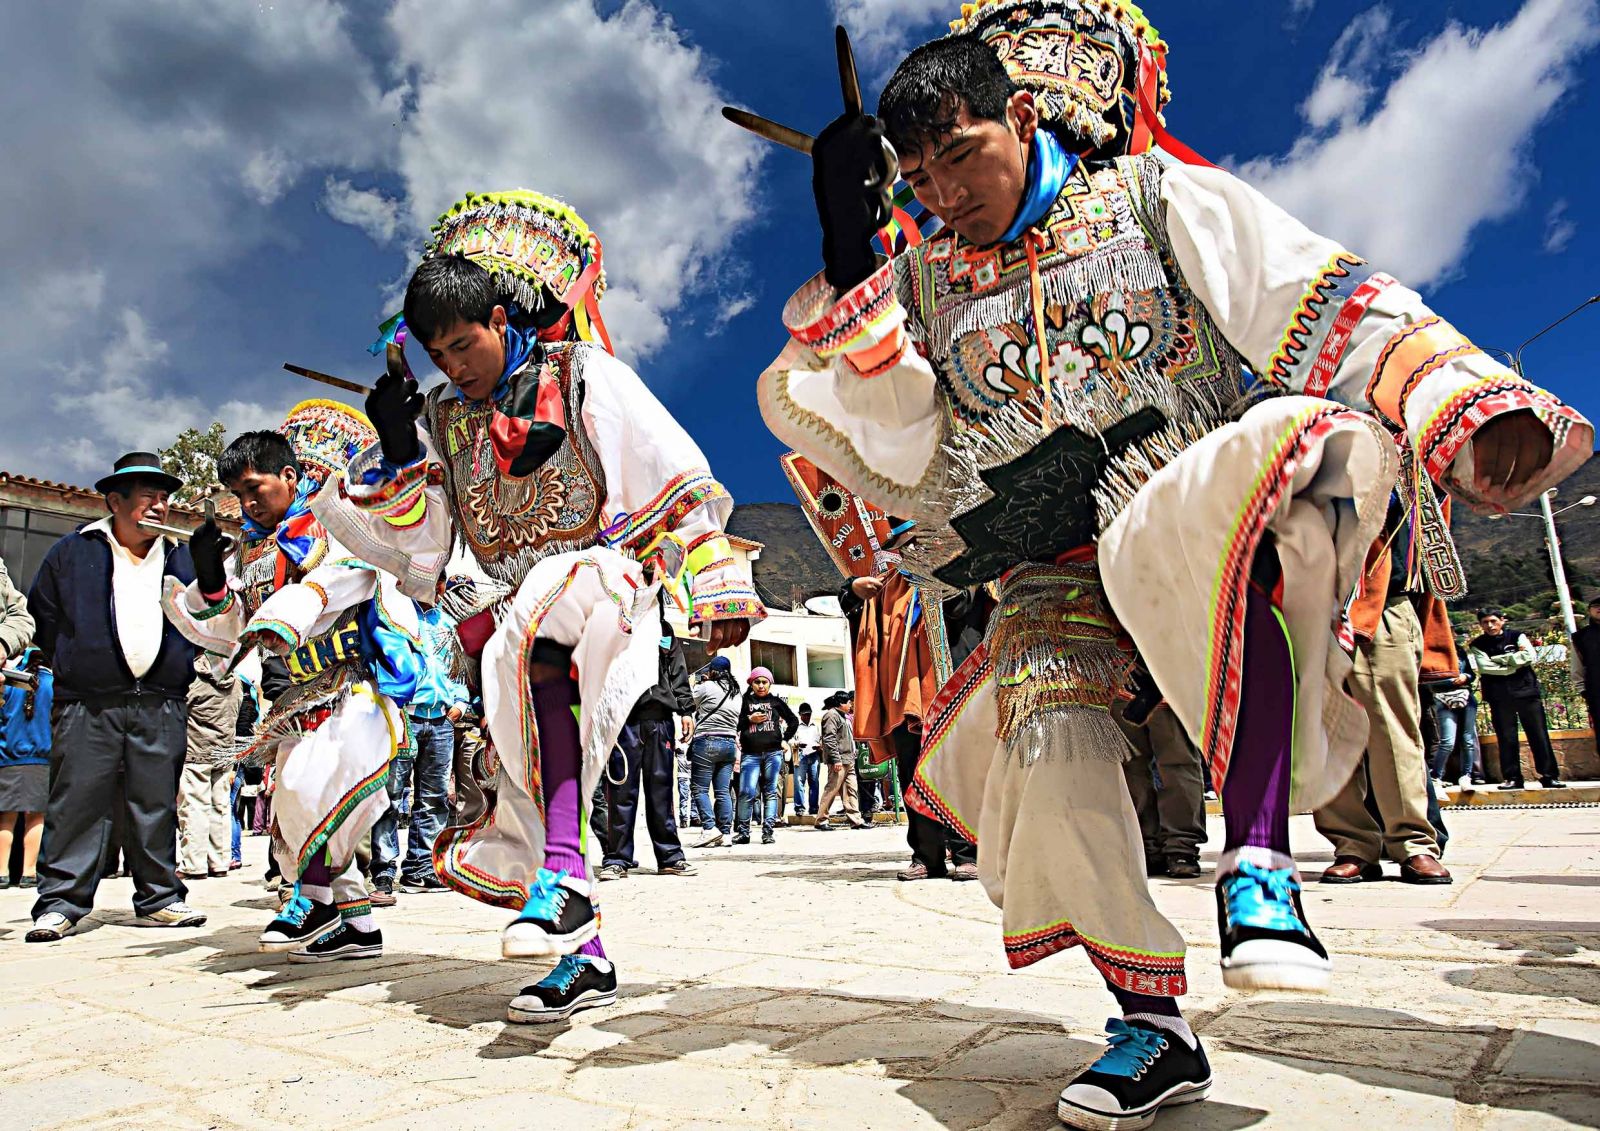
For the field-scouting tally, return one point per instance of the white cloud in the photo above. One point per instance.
(367, 209)
(1559, 228)
(1345, 85)
(883, 31)
(616, 115)
(1446, 149)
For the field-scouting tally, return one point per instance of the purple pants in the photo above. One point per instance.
(561, 766)
(1255, 794)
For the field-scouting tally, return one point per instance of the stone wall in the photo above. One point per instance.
(1574, 752)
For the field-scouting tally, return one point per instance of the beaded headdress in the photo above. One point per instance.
(325, 436)
(1096, 68)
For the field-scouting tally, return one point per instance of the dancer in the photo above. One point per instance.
(552, 463)
(350, 642)
(1053, 387)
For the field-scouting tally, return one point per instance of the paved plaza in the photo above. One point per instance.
(799, 986)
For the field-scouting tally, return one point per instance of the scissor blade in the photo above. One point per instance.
(767, 128)
(849, 84)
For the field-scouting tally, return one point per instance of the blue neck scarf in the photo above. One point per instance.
(295, 535)
(1049, 166)
(518, 347)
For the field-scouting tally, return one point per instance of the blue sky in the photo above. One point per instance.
(199, 192)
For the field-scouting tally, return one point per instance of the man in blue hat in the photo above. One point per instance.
(122, 676)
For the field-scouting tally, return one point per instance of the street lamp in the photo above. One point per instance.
(1552, 541)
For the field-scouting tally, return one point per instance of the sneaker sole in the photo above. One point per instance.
(534, 943)
(354, 950)
(1254, 976)
(1081, 1117)
(190, 921)
(589, 999)
(279, 946)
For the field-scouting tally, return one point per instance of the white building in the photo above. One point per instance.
(808, 653)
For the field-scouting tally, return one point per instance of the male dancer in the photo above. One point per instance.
(350, 642)
(555, 466)
(1051, 386)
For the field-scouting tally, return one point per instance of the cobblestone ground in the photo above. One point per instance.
(799, 986)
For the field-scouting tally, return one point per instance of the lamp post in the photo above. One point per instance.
(1552, 540)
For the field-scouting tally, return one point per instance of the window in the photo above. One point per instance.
(824, 667)
(26, 536)
(694, 653)
(779, 658)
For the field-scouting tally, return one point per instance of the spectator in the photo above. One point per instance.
(765, 723)
(839, 752)
(1586, 667)
(1384, 807)
(24, 761)
(439, 702)
(1168, 792)
(1504, 660)
(205, 821)
(244, 736)
(16, 623)
(714, 749)
(1455, 714)
(122, 676)
(646, 745)
(806, 750)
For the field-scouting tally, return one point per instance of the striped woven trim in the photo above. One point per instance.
(1412, 354)
(378, 779)
(1333, 280)
(1140, 972)
(671, 505)
(847, 323)
(1453, 423)
(215, 610)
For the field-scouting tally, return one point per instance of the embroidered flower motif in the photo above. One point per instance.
(1073, 369)
(1117, 343)
(1015, 373)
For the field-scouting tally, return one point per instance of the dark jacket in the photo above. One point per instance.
(1521, 683)
(1586, 643)
(75, 625)
(765, 724)
(672, 694)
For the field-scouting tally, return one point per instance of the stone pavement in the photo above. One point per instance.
(799, 986)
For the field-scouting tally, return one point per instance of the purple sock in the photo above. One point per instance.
(560, 762)
(1132, 1003)
(316, 872)
(1255, 793)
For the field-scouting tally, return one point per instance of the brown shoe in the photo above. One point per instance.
(1352, 870)
(382, 897)
(964, 872)
(1424, 869)
(917, 871)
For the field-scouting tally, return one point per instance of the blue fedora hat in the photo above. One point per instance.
(138, 465)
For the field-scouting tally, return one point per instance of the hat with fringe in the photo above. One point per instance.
(326, 435)
(1096, 68)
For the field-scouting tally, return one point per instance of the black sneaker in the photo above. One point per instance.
(555, 920)
(1183, 866)
(1143, 1070)
(576, 983)
(1552, 783)
(427, 885)
(744, 839)
(301, 921)
(1154, 865)
(345, 942)
(768, 838)
(1511, 784)
(1266, 944)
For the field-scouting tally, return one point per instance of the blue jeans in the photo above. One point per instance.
(807, 784)
(1453, 721)
(759, 775)
(711, 759)
(683, 800)
(233, 811)
(429, 777)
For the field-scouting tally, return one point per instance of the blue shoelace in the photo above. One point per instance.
(546, 896)
(295, 911)
(566, 972)
(1131, 1050)
(1263, 898)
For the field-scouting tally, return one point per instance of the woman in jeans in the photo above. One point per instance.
(714, 749)
(1455, 708)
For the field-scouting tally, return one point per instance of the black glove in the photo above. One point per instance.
(208, 546)
(393, 406)
(851, 178)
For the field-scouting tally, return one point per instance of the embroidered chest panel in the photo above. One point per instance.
(263, 569)
(510, 522)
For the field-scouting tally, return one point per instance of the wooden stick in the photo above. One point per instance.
(849, 84)
(905, 645)
(329, 379)
(767, 128)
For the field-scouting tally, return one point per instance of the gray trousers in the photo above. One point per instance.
(144, 739)
(1172, 817)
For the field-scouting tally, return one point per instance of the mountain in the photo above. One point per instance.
(794, 566)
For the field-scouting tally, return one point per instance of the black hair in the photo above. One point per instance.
(265, 452)
(1594, 603)
(805, 708)
(1491, 611)
(447, 289)
(930, 86)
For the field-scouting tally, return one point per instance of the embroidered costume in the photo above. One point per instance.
(1160, 413)
(559, 485)
(350, 642)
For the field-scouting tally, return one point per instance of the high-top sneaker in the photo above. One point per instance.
(557, 919)
(1266, 943)
(1144, 1069)
(300, 921)
(578, 982)
(343, 942)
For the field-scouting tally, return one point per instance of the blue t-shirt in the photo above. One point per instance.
(25, 725)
